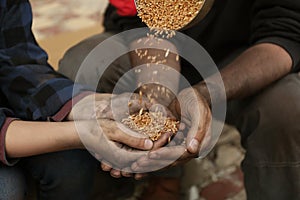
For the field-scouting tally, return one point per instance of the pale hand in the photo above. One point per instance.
(105, 140)
(108, 106)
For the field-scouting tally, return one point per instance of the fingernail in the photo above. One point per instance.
(148, 144)
(194, 145)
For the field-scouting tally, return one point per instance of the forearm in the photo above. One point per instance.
(157, 68)
(253, 70)
(25, 138)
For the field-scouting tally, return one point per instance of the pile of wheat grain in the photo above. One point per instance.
(152, 124)
(168, 14)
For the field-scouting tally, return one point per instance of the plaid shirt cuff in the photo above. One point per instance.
(3, 158)
(66, 109)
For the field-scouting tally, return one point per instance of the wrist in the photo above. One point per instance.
(211, 92)
(71, 137)
(157, 68)
(202, 89)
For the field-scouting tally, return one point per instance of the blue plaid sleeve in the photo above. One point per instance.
(34, 91)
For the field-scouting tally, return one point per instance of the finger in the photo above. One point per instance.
(193, 139)
(159, 159)
(120, 157)
(163, 140)
(127, 172)
(126, 137)
(127, 131)
(168, 153)
(172, 143)
(147, 165)
(197, 131)
(106, 166)
(123, 158)
(154, 165)
(115, 173)
(179, 137)
(121, 134)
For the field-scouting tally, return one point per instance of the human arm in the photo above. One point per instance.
(235, 86)
(272, 55)
(120, 16)
(29, 88)
(27, 138)
(24, 138)
(274, 52)
(157, 68)
(34, 90)
(257, 67)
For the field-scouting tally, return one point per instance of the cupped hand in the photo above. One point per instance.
(194, 111)
(106, 140)
(162, 141)
(127, 171)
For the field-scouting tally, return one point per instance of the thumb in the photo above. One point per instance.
(195, 133)
(193, 139)
(199, 128)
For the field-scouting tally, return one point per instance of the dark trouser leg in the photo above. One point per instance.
(12, 183)
(73, 58)
(271, 136)
(63, 175)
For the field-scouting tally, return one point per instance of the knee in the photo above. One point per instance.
(94, 72)
(64, 173)
(269, 125)
(74, 56)
(12, 184)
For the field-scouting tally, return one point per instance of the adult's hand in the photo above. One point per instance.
(194, 111)
(128, 172)
(162, 141)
